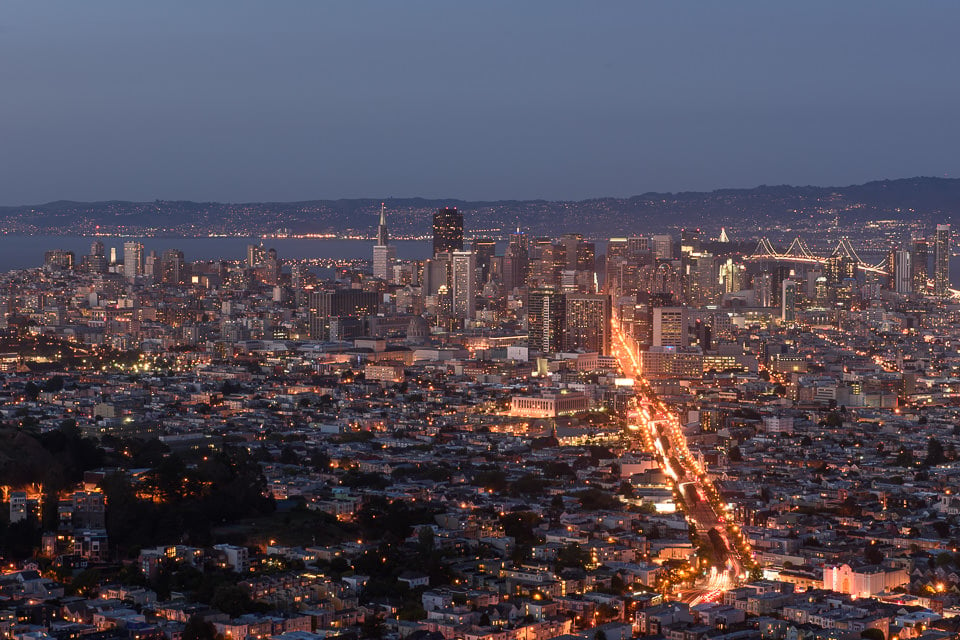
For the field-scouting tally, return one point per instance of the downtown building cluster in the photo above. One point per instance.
(443, 446)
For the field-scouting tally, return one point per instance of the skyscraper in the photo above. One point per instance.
(587, 323)
(447, 230)
(662, 246)
(902, 271)
(920, 263)
(485, 250)
(383, 238)
(436, 274)
(670, 327)
(96, 262)
(384, 255)
(172, 267)
(545, 320)
(516, 261)
(788, 301)
(256, 254)
(322, 306)
(463, 275)
(132, 259)
(941, 261)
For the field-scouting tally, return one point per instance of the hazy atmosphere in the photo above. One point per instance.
(252, 101)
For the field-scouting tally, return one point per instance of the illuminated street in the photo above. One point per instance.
(662, 434)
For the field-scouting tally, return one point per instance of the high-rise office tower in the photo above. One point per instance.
(732, 275)
(269, 271)
(579, 255)
(132, 259)
(322, 306)
(463, 268)
(586, 259)
(485, 249)
(96, 262)
(638, 245)
(570, 241)
(436, 274)
(587, 323)
(836, 269)
(516, 261)
(617, 257)
(172, 267)
(256, 254)
(690, 241)
(763, 288)
(545, 320)
(662, 246)
(447, 230)
(670, 327)
(58, 259)
(617, 248)
(547, 260)
(788, 301)
(151, 267)
(700, 278)
(902, 272)
(941, 261)
(384, 254)
(920, 262)
(383, 238)
(384, 257)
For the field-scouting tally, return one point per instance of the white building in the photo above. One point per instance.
(132, 259)
(463, 276)
(550, 405)
(234, 557)
(863, 582)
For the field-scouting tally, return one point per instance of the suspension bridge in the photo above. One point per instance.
(799, 252)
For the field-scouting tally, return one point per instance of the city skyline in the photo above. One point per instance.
(719, 414)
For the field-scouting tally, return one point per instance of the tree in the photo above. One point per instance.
(556, 502)
(572, 555)
(872, 634)
(372, 627)
(597, 499)
(519, 526)
(426, 540)
(904, 458)
(197, 628)
(557, 469)
(494, 479)
(32, 391)
(935, 454)
(86, 582)
(833, 419)
(53, 384)
(288, 455)
(527, 485)
(232, 599)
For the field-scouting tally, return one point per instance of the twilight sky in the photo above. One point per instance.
(298, 99)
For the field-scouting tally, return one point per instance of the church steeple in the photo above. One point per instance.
(382, 235)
